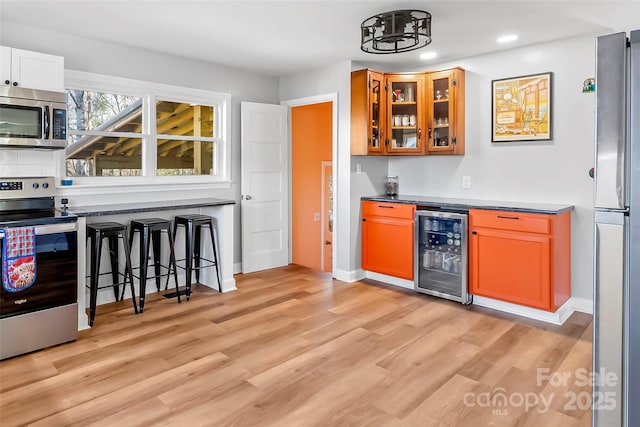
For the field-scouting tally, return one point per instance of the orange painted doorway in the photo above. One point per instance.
(311, 129)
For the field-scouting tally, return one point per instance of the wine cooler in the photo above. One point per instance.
(441, 255)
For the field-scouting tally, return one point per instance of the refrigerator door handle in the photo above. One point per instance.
(608, 329)
(611, 122)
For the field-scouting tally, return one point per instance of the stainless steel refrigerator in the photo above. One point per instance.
(616, 345)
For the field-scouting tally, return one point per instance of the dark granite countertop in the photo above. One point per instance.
(165, 205)
(453, 204)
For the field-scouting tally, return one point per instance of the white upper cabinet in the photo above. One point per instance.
(31, 70)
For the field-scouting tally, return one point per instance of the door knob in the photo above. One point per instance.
(247, 197)
(326, 242)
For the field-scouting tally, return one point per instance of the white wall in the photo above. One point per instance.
(85, 54)
(552, 172)
(335, 78)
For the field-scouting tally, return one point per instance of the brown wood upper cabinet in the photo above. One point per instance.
(407, 113)
(367, 114)
(445, 112)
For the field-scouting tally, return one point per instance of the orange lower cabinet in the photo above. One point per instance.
(387, 238)
(521, 258)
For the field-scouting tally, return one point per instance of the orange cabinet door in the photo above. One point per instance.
(387, 246)
(511, 266)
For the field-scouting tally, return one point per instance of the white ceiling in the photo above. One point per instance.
(283, 37)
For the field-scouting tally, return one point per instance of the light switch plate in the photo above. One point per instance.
(466, 182)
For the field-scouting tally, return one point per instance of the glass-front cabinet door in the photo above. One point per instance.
(405, 128)
(445, 112)
(375, 137)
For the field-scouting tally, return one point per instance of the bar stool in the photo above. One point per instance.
(193, 225)
(150, 230)
(113, 231)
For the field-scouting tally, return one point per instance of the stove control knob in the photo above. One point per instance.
(45, 185)
(35, 185)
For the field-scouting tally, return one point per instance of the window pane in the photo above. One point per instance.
(176, 157)
(103, 111)
(183, 119)
(104, 156)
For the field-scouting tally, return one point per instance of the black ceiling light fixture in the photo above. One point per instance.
(396, 31)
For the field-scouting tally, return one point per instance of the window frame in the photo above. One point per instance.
(150, 92)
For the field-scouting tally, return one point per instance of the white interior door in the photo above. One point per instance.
(265, 188)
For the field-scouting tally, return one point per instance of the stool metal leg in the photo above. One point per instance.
(113, 257)
(155, 240)
(172, 263)
(96, 249)
(144, 256)
(196, 251)
(189, 249)
(131, 235)
(129, 270)
(215, 257)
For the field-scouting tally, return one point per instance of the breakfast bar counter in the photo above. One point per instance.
(220, 209)
(137, 207)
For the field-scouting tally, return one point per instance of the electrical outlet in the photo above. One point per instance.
(466, 182)
(358, 167)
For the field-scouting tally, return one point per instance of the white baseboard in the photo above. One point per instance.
(237, 268)
(348, 276)
(557, 318)
(403, 283)
(582, 305)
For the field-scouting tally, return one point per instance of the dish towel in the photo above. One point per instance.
(18, 258)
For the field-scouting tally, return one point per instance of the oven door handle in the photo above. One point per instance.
(52, 228)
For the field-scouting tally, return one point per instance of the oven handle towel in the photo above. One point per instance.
(18, 258)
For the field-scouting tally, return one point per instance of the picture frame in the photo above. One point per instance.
(409, 140)
(522, 108)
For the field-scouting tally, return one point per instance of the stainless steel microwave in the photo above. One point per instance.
(32, 118)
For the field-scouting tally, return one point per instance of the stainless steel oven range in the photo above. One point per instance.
(41, 312)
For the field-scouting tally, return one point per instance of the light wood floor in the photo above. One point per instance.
(292, 347)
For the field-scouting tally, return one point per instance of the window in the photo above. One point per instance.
(126, 128)
(184, 138)
(105, 134)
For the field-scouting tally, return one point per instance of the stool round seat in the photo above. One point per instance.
(193, 224)
(196, 219)
(152, 223)
(150, 230)
(106, 227)
(113, 231)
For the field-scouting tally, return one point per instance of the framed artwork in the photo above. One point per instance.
(521, 108)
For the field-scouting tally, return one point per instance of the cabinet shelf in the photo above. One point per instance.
(440, 126)
(403, 103)
(438, 101)
(444, 233)
(403, 127)
(441, 271)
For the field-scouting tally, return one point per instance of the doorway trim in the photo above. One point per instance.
(309, 100)
(323, 212)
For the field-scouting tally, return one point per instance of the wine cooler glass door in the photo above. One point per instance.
(441, 255)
